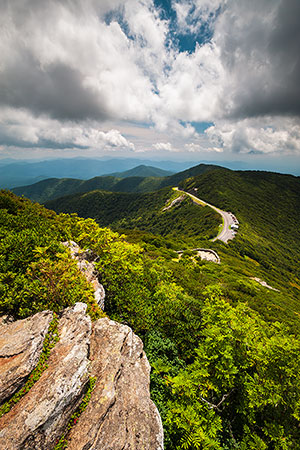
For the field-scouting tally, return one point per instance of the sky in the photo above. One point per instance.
(196, 80)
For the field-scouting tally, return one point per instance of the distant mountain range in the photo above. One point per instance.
(53, 188)
(142, 171)
(14, 174)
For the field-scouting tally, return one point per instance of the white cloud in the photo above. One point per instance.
(197, 148)
(71, 71)
(22, 129)
(163, 146)
(191, 15)
(193, 87)
(256, 136)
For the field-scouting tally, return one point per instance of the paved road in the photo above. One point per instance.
(225, 233)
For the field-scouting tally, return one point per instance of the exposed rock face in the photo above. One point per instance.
(263, 283)
(39, 418)
(174, 202)
(21, 344)
(86, 264)
(120, 414)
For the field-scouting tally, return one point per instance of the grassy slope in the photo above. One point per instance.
(175, 307)
(267, 206)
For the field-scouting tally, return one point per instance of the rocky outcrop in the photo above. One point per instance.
(264, 283)
(86, 264)
(205, 254)
(21, 344)
(126, 417)
(174, 202)
(40, 417)
(120, 414)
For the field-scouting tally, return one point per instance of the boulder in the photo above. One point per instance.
(120, 414)
(38, 420)
(21, 344)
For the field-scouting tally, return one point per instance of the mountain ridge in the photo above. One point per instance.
(53, 188)
(142, 171)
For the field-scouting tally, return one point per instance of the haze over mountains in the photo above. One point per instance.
(25, 172)
(20, 173)
(52, 188)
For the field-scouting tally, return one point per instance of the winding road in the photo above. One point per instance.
(225, 233)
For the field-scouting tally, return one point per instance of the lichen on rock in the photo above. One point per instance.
(21, 344)
(119, 414)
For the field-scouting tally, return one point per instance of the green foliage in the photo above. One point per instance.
(50, 340)
(163, 356)
(183, 224)
(243, 387)
(224, 375)
(36, 271)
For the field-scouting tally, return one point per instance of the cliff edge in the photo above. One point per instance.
(117, 415)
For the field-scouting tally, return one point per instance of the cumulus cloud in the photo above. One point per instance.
(256, 136)
(259, 49)
(67, 69)
(64, 60)
(163, 146)
(20, 129)
(194, 148)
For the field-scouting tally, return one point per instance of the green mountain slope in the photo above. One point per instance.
(142, 171)
(173, 180)
(266, 247)
(57, 187)
(224, 376)
(267, 206)
(53, 188)
(182, 223)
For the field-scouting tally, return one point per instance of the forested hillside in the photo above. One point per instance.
(268, 208)
(223, 375)
(142, 171)
(135, 180)
(267, 244)
(182, 224)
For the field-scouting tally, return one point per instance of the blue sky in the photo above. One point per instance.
(199, 80)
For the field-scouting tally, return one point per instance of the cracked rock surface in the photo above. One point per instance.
(39, 418)
(21, 344)
(120, 414)
(126, 417)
